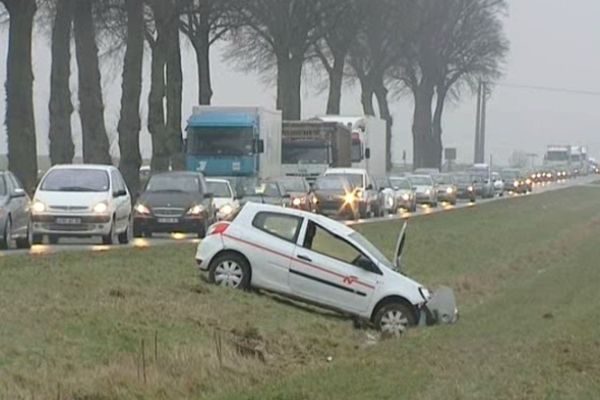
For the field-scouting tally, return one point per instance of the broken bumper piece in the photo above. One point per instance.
(441, 309)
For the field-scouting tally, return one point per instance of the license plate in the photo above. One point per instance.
(168, 220)
(68, 221)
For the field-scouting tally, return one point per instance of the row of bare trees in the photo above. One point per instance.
(433, 50)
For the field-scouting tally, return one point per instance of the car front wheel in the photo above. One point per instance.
(394, 319)
(230, 270)
(6, 240)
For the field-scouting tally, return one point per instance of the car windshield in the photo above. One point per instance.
(401, 183)
(294, 185)
(220, 141)
(330, 184)
(421, 180)
(174, 183)
(269, 189)
(371, 249)
(463, 179)
(356, 180)
(443, 179)
(219, 189)
(294, 154)
(76, 180)
(2, 186)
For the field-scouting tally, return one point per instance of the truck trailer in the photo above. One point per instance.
(242, 144)
(310, 147)
(369, 146)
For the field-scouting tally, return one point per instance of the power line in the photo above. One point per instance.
(549, 89)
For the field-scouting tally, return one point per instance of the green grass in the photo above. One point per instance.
(525, 272)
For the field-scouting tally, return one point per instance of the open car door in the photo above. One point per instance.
(400, 248)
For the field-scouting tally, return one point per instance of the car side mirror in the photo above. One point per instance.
(17, 193)
(367, 153)
(120, 193)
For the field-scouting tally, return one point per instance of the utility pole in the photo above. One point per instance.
(480, 123)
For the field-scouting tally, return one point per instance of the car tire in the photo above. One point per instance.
(37, 239)
(393, 319)
(110, 238)
(203, 229)
(230, 270)
(124, 236)
(6, 239)
(25, 243)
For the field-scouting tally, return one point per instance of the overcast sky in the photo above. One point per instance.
(553, 43)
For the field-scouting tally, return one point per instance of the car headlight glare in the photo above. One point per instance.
(516, 184)
(450, 190)
(297, 202)
(196, 210)
(141, 209)
(226, 209)
(428, 191)
(100, 208)
(38, 207)
(349, 198)
(405, 197)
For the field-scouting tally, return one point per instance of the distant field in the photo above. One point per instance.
(526, 273)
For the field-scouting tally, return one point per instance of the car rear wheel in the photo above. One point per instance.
(230, 270)
(394, 319)
(203, 229)
(6, 240)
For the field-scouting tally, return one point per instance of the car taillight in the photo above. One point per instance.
(218, 228)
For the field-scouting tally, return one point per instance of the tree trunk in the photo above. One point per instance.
(437, 126)
(156, 112)
(20, 122)
(129, 123)
(384, 110)
(366, 97)
(423, 96)
(289, 82)
(174, 96)
(95, 142)
(62, 149)
(336, 79)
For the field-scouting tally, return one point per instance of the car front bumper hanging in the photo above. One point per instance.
(441, 309)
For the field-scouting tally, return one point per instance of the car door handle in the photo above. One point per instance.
(304, 258)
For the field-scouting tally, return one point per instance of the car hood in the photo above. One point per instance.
(169, 199)
(71, 199)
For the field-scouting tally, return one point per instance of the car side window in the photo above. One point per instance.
(118, 183)
(286, 227)
(320, 240)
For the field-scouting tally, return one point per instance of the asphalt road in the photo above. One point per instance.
(93, 245)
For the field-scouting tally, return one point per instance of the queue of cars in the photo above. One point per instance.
(93, 200)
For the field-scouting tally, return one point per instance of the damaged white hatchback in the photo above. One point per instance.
(321, 261)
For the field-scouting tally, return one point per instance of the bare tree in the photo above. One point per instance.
(129, 122)
(162, 33)
(378, 48)
(95, 140)
(280, 33)
(62, 149)
(20, 122)
(204, 22)
(449, 44)
(333, 49)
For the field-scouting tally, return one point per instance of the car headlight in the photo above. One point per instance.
(450, 190)
(428, 191)
(196, 210)
(100, 208)
(349, 198)
(141, 209)
(516, 184)
(38, 207)
(470, 188)
(315, 200)
(296, 202)
(226, 209)
(405, 197)
(528, 181)
(390, 202)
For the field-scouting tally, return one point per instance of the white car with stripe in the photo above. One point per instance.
(318, 260)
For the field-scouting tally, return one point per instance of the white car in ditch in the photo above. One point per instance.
(315, 259)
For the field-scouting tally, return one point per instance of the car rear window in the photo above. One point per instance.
(76, 180)
(283, 226)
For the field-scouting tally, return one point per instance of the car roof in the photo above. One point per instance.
(179, 173)
(334, 226)
(84, 166)
(215, 180)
